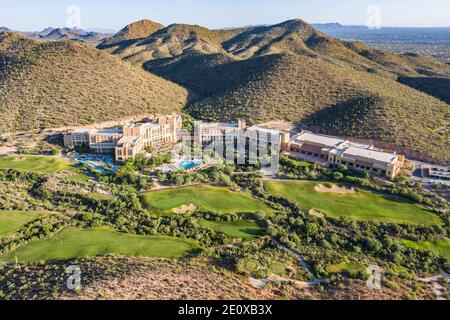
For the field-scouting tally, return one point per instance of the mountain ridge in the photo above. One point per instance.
(263, 73)
(57, 83)
(287, 71)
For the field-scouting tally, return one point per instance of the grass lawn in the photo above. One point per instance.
(279, 268)
(204, 197)
(79, 178)
(440, 247)
(11, 221)
(81, 243)
(250, 266)
(362, 205)
(345, 267)
(244, 229)
(37, 164)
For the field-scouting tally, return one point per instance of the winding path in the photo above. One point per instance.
(261, 283)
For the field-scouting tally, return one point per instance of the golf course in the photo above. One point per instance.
(441, 248)
(244, 229)
(357, 204)
(202, 197)
(36, 164)
(11, 221)
(82, 243)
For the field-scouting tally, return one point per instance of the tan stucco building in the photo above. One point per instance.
(127, 142)
(334, 151)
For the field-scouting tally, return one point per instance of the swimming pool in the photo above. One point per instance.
(186, 165)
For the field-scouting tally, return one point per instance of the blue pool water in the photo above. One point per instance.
(186, 165)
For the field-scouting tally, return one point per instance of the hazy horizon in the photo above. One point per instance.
(27, 15)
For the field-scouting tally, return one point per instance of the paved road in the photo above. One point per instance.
(419, 174)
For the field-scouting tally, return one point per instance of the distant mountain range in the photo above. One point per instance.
(289, 71)
(64, 34)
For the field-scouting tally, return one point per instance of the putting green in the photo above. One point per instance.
(360, 205)
(82, 243)
(36, 164)
(440, 248)
(11, 221)
(204, 197)
(244, 229)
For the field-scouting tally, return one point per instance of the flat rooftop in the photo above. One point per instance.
(370, 154)
(263, 129)
(319, 139)
(128, 140)
(81, 131)
(144, 125)
(109, 131)
(219, 124)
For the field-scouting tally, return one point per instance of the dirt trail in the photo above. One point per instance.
(438, 289)
(262, 283)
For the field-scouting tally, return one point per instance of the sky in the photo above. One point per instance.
(31, 15)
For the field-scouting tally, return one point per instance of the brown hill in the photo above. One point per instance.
(134, 31)
(173, 41)
(51, 84)
(339, 100)
(293, 72)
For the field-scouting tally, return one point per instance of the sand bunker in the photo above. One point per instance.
(335, 189)
(185, 209)
(316, 213)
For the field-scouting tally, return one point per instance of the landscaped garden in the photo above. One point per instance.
(82, 243)
(36, 164)
(357, 204)
(202, 197)
(11, 221)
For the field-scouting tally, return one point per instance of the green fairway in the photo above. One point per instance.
(82, 243)
(361, 205)
(11, 221)
(37, 164)
(79, 178)
(204, 197)
(244, 229)
(440, 247)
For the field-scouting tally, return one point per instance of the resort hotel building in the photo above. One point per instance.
(229, 133)
(324, 150)
(327, 150)
(127, 142)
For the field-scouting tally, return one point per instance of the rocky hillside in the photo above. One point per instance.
(292, 71)
(57, 83)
